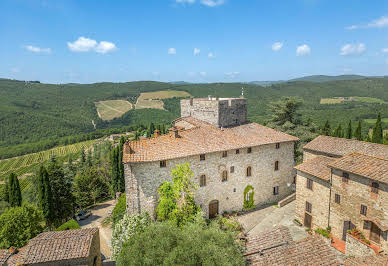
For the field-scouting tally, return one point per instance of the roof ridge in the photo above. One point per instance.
(363, 154)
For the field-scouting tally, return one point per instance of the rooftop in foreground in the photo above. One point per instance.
(202, 138)
(340, 146)
(317, 166)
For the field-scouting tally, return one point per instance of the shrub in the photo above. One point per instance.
(20, 224)
(126, 228)
(71, 224)
(193, 244)
(120, 209)
(323, 232)
(249, 202)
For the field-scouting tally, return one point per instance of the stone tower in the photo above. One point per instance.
(220, 112)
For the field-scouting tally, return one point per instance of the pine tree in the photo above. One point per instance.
(377, 135)
(326, 129)
(45, 196)
(357, 132)
(15, 195)
(349, 130)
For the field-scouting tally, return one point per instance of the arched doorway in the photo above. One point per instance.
(213, 209)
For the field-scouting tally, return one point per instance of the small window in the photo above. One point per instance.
(345, 177)
(375, 187)
(363, 210)
(224, 176)
(309, 207)
(232, 169)
(276, 165)
(249, 150)
(202, 157)
(277, 145)
(276, 190)
(309, 184)
(202, 181)
(224, 154)
(249, 171)
(337, 199)
(163, 163)
(237, 151)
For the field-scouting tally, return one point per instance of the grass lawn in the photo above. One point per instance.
(330, 100)
(154, 99)
(107, 110)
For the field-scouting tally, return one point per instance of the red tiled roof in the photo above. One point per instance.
(4, 254)
(56, 246)
(366, 261)
(339, 147)
(203, 138)
(317, 166)
(360, 164)
(275, 248)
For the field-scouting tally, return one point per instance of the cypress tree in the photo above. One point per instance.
(338, 132)
(83, 156)
(377, 135)
(357, 132)
(349, 130)
(121, 180)
(70, 159)
(326, 129)
(114, 170)
(6, 191)
(89, 158)
(45, 196)
(15, 195)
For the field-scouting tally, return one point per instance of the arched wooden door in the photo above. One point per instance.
(213, 209)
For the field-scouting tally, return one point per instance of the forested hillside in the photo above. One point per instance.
(36, 114)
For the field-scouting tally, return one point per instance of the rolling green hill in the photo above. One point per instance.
(36, 114)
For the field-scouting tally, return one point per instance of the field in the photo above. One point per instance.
(373, 121)
(154, 99)
(336, 100)
(108, 110)
(27, 164)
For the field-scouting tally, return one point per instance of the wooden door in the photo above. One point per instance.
(375, 233)
(213, 209)
(307, 220)
(347, 226)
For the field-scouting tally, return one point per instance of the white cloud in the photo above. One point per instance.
(385, 50)
(353, 49)
(381, 22)
(105, 47)
(203, 73)
(211, 55)
(83, 44)
(232, 74)
(171, 51)
(277, 46)
(303, 50)
(185, 1)
(212, 3)
(35, 49)
(196, 51)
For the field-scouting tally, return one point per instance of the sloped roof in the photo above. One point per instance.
(202, 138)
(275, 247)
(4, 254)
(317, 167)
(338, 147)
(367, 260)
(56, 246)
(368, 166)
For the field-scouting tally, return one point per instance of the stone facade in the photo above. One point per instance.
(220, 112)
(352, 194)
(355, 248)
(143, 179)
(318, 197)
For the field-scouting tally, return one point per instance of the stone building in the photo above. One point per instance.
(71, 247)
(225, 153)
(343, 184)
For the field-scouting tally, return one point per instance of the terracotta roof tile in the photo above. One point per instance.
(56, 246)
(366, 261)
(275, 248)
(339, 147)
(317, 166)
(203, 138)
(4, 254)
(368, 166)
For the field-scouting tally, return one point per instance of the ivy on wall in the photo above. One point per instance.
(249, 201)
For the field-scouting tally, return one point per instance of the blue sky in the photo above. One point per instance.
(60, 41)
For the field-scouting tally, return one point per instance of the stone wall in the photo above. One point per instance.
(222, 112)
(356, 248)
(319, 198)
(143, 179)
(354, 193)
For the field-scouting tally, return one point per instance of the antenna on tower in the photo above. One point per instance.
(242, 92)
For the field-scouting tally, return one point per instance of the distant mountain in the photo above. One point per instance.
(323, 78)
(266, 83)
(179, 82)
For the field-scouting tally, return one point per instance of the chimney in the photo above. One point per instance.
(156, 133)
(174, 132)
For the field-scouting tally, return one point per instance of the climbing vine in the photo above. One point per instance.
(249, 202)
